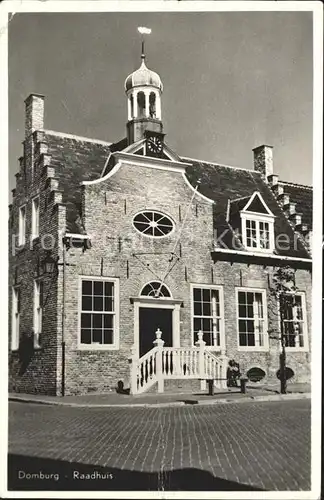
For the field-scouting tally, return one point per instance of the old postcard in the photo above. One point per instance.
(165, 215)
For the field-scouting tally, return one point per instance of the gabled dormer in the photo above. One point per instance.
(253, 220)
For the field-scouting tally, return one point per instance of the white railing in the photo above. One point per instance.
(162, 363)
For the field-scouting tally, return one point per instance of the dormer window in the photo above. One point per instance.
(257, 225)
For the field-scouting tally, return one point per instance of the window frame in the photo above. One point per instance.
(15, 318)
(22, 226)
(153, 210)
(305, 348)
(38, 312)
(220, 289)
(258, 218)
(100, 347)
(263, 292)
(35, 220)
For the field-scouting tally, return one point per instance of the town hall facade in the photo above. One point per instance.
(116, 248)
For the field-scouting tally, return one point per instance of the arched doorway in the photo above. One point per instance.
(155, 308)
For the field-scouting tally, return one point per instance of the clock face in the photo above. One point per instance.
(154, 145)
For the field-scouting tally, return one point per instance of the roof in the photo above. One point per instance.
(77, 159)
(223, 184)
(303, 197)
(143, 76)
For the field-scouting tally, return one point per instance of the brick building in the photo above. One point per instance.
(111, 241)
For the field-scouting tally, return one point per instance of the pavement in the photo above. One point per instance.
(254, 393)
(260, 446)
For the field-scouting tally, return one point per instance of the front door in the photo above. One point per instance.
(150, 319)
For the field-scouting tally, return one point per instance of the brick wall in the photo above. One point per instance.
(109, 208)
(38, 373)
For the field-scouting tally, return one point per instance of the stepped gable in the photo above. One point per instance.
(223, 184)
(75, 159)
(303, 197)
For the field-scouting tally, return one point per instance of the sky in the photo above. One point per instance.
(232, 81)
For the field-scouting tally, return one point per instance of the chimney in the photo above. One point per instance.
(263, 161)
(34, 117)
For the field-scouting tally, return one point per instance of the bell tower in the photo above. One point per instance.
(143, 89)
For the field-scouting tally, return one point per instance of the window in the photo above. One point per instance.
(294, 320)
(22, 225)
(207, 314)
(15, 318)
(35, 217)
(38, 312)
(256, 234)
(152, 223)
(257, 225)
(99, 313)
(155, 289)
(252, 328)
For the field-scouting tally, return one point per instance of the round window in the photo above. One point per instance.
(153, 223)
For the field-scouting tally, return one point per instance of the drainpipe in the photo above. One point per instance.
(63, 320)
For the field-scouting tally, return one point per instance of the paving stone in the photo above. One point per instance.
(263, 446)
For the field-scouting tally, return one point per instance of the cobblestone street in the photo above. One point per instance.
(235, 446)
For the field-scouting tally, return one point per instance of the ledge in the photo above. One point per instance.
(259, 258)
(160, 300)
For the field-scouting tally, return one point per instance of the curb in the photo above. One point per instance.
(201, 402)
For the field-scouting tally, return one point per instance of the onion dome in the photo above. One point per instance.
(143, 77)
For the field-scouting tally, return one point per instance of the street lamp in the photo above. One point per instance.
(50, 264)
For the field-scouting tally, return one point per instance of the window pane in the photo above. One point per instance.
(206, 295)
(207, 325)
(258, 299)
(208, 339)
(242, 311)
(197, 294)
(108, 337)
(85, 336)
(250, 311)
(250, 326)
(87, 287)
(109, 304)
(197, 308)
(98, 303)
(86, 303)
(109, 289)
(97, 320)
(108, 321)
(98, 288)
(249, 297)
(85, 321)
(197, 324)
(243, 339)
(242, 326)
(97, 336)
(206, 309)
(250, 339)
(241, 297)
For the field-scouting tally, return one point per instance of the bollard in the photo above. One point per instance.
(243, 385)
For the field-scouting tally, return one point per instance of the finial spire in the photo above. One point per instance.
(143, 31)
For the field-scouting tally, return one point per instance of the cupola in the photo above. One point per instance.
(143, 88)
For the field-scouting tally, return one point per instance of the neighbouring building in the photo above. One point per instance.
(110, 242)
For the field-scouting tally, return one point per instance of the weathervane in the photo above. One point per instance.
(143, 31)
